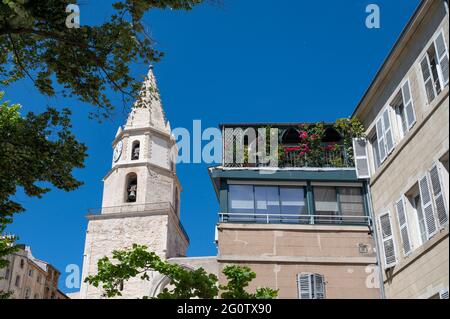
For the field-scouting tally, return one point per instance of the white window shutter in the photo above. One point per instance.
(443, 294)
(387, 238)
(438, 195)
(442, 53)
(409, 106)
(427, 78)
(380, 139)
(388, 136)
(361, 158)
(427, 206)
(403, 224)
(319, 286)
(304, 284)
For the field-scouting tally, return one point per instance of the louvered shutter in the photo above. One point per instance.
(304, 284)
(319, 287)
(409, 107)
(427, 207)
(442, 55)
(443, 294)
(387, 239)
(427, 78)
(389, 137)
(380, 138)
(403, 224)
(438, 195)
(361, 158)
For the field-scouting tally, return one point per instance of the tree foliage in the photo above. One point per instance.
(184, 283)
(36, 151)
(84, 61)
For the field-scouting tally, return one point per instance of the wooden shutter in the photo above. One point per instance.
(388, 136)
(442, 54)
(408, 103)
(361, 158)
(438, 195)
(380, 139)
(427, 207)
(403, 224)
(387, 239)
(428, 78)
(443, 294)
(304, 284)
(319, 287)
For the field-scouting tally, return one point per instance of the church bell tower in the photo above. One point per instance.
(141, 195)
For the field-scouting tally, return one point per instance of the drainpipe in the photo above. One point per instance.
(375, 238)
(446, 6)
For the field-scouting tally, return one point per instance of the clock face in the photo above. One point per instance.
(117, 151)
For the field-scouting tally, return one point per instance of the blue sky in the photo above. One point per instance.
(245, 61)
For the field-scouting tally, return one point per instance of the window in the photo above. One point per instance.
(339, 201)
(17, 282)
(420, 219)
(131, 189)
(292, 200)
(27, 293)
(7, 273)
(387, 239)
(351, 201)
(403, 224)
(382, 140)
(437, 190)
(135, 150)
(39, 278)
(22, 263)
(404, 109)
(443, 294)
(30, 272)
(326, 203)
(266, 203)
(435, 66)
(376, 154)
(311, 286)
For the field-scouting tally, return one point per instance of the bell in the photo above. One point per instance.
(136, 153)
(132, 193)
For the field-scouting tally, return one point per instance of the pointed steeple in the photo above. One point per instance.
(147, 110)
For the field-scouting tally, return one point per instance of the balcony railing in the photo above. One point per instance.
(138, 208)
(243, 218)
(336, 157)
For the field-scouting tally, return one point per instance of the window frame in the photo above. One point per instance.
(440, 79)
(279, 187)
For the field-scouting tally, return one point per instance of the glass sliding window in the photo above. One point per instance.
(292, 204)
(352, 204)
(267, 203)
(241, 201)
(326, 204)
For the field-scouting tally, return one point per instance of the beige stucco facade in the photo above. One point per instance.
(423, 271)
(344, 255)
(27, 277)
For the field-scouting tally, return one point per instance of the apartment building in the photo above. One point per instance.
(406, 115)
(302, 224)
(27, 277)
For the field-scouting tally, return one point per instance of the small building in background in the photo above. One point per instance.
(27, 277)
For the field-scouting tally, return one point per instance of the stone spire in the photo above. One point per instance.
(147, 110)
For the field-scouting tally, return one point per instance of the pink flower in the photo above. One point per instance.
(304, 135)
(314, 137)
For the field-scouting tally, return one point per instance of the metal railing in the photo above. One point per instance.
(336, 157)
(138, 208)
(306, 219)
